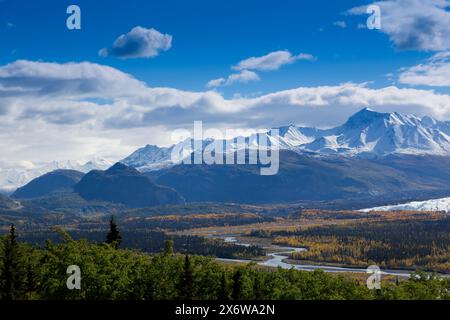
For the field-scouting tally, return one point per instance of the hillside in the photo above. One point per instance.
(52, 182)
(125, 185)
(303, 177)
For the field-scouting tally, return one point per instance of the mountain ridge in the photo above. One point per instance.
(13, 178)
(125, 185)
(365, 133)
(52, 182)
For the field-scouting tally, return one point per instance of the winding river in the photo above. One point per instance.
(276, 259)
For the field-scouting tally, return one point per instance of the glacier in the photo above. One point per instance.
(442, 204)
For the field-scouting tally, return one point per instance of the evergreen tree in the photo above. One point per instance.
(168, 247)
(223, 294)
(113, 236)
(10, 280)
(187, 280)
(237, 284)
(257, 287)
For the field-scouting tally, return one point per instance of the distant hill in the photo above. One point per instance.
(303, 177)
(52, 182)
(13, 178)
(125, 185)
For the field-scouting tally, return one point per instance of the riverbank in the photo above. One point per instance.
(277, 257)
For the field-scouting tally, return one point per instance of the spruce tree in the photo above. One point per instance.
(10, 277)
(257, 287)
(168, 247)
(113, 236)
(237, 285)
(187, 280)
(223, 294)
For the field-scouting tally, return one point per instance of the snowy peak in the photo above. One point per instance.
(96, 164)
(370, 132)
(149, 158)
(364, 117)
(292, 136)
(368, 117)
(367, 132)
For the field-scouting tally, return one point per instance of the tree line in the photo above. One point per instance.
(110, 273)
(421, 244)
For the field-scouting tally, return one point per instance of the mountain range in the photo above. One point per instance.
(365, 134)
(303, 177)
(372, 155)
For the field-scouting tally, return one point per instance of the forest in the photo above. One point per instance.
(153, 241)
(411, 244)
(108, 272)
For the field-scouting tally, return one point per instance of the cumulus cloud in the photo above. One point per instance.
(434, 72)
(31, 78)
(414, 24)
(271, 61)
(139, 43)
(58, 111)
(244, 76)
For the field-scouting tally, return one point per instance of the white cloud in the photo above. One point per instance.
(51, 111)
(414, 24)
(244, 76)
(69, 79)
(216, 82)
(340, 24)
(271, 61)
(139, 43)
(434, 72)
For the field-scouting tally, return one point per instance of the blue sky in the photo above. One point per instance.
(208, 38)
(137, 70)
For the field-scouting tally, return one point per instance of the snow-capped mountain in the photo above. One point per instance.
(293, 137)
(365, 133)
(384, 133)
(151, 157)
(15, 177)
(442, 204)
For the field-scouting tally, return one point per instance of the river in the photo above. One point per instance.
(275, 259)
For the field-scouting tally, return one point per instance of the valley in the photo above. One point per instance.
(209, 158)
(401, 240)
(337, 209)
